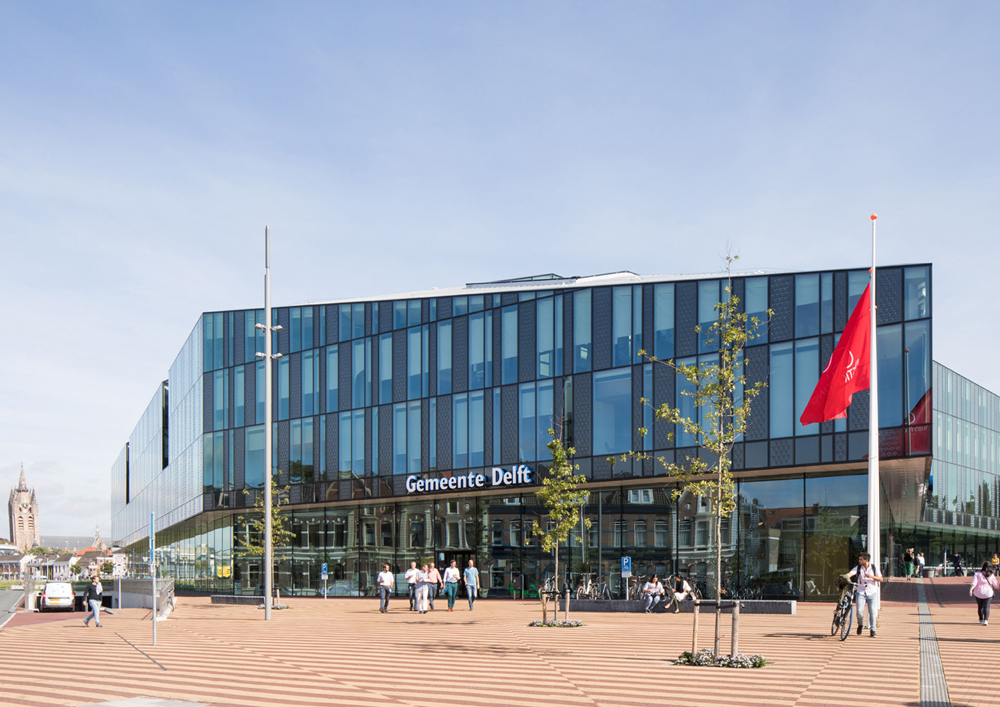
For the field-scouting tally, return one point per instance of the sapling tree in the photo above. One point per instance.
(250, 543)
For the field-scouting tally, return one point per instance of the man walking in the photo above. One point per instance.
(471, 577)
(433, 582)
(385, 582)
(411, 584)
(868, 577)
(451, 577)
(93, 599)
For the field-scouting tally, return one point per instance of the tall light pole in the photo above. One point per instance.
(268, 357)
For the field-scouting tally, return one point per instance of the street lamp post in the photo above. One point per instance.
(268, 357)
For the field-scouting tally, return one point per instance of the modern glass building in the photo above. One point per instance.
(414, 427)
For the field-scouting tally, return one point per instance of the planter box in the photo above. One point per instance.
(747, 606)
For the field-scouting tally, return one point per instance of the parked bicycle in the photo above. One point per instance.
(843, 614)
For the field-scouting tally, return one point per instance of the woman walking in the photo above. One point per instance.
(423, 586)
(984, 583)
(908, 560)
(451, 577)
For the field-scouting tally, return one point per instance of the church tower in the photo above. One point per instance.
(23, 509)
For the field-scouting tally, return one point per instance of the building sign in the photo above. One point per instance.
(497, 477)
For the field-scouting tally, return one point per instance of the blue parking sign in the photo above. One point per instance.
(626, 566)
(323, 571)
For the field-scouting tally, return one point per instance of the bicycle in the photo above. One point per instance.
(587, 589)
(843, 614)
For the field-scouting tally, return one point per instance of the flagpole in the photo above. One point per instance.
(874, 487)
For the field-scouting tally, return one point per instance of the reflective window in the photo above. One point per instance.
(685, 405)
(460, 306)
(857, 281)
(708, 300)
(413, 312)
(253, 338)
(294, 329)
(544, 337)
(826, 303)
(581, 331)
(374, 448)
(240, 395)
(663, 321)
(612, 411)
(332, 378)
(358, 441)
(460, 430)
(357, 320)
(755, 293)
(220, 398)
(414, 364)
(345, 322)
(647, 408)
(385, 368)
(916, 292)
(476, 421)
(557, 327)
(508, 344)
(807, 305)
(637, 342)
(344, 445)
(413, 437)
(358, 373)
(806, 378)
(621, 326)
(780, 393)
(214, 461)
(917, 362)
(890, 375)
(477, 357)
(261, 391)
(300, 466)
(283, 388)
(399, 315)
(488, 345)
(307, 327)
(399, 438)
(526, 423)
(253, 462)
(310, 383)
(496, 425)
(444, 357)
(544, 421)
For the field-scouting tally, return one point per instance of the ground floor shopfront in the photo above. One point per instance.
(789, 537)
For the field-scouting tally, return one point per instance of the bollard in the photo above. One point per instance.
(735, 648)
(545, 607)
(566, 610)
(694, 639)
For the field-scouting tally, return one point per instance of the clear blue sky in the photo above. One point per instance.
(400, 146)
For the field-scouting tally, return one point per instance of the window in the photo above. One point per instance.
(496, 533)
(406, 438)
(661, 533)
(385, 368)
(826, 303)
(644, 496)
(526, 423)
(432, 432)
(508, 345)
(359, 366)
(261, 391)
(387, 535)
(708, 299)
(612, 411)
(755, 293)
(684, 533)
(581, 331)
(640, 533)
(253, 338)
(806, 305)
(357, 320)
(414, 362)
(621, 326)
(240, 390)
(254, 465)
(544, 337)
(310, 383)
(444, 358)
(916, 292)
(701, 533)
(417, 533)
(806, 378)
(621, 530)
(515, 533)
(544, 419)
(283, 368)
(345, 322)
(780, 390)
(477, 356)
(663, 321)
(460, 430)
(339, 533)
(332, 378)
(300, 465)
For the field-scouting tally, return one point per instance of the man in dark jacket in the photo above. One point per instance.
(92, 599)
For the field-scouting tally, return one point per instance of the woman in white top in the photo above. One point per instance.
(451, 577)
(652, 592)
(422, 590)
(984, 584)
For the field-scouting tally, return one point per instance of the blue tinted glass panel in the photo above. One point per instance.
(581, 331)
(647, 407)
(345, 322)
(663, 321)
(208, 336)
(526, 423)
(253, 462)
(557, 327)
(476, 419)
(708, 300)
(916, 293)
(460, 306)
(496, 425)
(294, 329)
(612, 411)
(890, 375)
(543, 407)
(857, 281)
(399, 315)
(917, 364)
(444, 357)
(240, 395)
(544, 338)
(208, 448)
(488, 346)
(345, 442)
(307, 451)
(826, 303)
(780, 393)
(307, 327)
(295, 452)
(249, 336)
(310, 379)
(413, 312)
(282, 388)
(807, 305)
(358, 441)
(357, 320)
(755, 292)
(477, 358)
(413, 437)
(413, 362)
(374, 449)
(425, 367)
(806, 378)
(460, 430)
(219, 398)
(621, 326)
(261, 391)
(358, 373)
(508, 344)
(399, 438)
(385, 368)
(332, 378)
(476, 303)
(636, 320)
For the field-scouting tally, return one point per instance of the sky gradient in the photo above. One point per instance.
(401, 146)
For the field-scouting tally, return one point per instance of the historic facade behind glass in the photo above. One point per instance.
(414, 427)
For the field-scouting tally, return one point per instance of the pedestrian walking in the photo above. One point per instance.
(411, 584)
(956, 563)
(471, 577)
(451, 577)
(93, 598)
(908, 562)
(433, 584)
(984, 584)
(385, 582)
(996, 563)
(682, 591)
(652, 592)
(868, 577)
(921, 562)
(422, 589)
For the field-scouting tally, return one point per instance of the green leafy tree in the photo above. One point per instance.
(251, 542)
(107, 567)
(722, 400)
(562, 497)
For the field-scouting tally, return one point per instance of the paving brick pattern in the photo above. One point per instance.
(343, 652)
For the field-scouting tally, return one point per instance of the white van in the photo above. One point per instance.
(57, 595)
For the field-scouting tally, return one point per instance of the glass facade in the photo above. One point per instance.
(445, 386)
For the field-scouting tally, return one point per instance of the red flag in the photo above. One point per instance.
(847, 372)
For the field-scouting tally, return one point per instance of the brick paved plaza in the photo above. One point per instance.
(344, 652)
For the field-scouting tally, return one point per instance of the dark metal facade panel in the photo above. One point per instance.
(508, 424)
(384, 317)
(647, 318)
(283, 442)
(567, 333)
(399, 365)
(890, 443)
(444, 447)
(368, 442)
(250, 394)
(225, 338)
(737, 457)
(331, 324)
(508, 298)
(425, 311)
(317, 449)
(526, 333)
(558, 406)
(425, 437)
(488, 429)
(368, 319)
(685, 319)
(637, 408)
(231, 394)
(385, 440)
(460, 354)
(782, 452)
(583, 392)
(739, 292)
(782, 302)
(889, 295)
(239, 459)
(444, 308)
(240, 334)
(840, 312)
(332, 447)
(756, 358)
(497, 350)
(376, 385)
(322, 379)
(283, 335)
(601, 327)
(432, 355)
(344, 356)
(857, 411)
(601, 469)
(295, 385)
(208, 409)
(840, 447)
(664, 384)
(225, 455)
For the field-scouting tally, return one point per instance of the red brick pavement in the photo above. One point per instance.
(343, 652)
